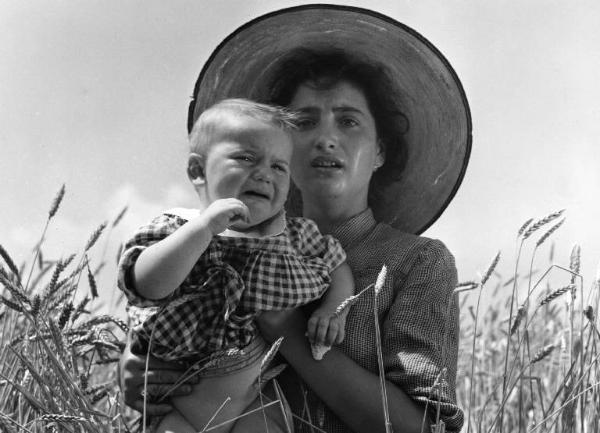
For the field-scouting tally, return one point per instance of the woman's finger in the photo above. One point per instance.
(181, 390)
(151, 409)
(159, 393)
(168, 377)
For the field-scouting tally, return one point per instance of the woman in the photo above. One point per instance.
(381, 147)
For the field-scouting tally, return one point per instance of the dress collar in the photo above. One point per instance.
(355, 228)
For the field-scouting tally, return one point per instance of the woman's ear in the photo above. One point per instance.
(380, 157)
(195, 169)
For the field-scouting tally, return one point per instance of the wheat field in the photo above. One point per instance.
(528, 361)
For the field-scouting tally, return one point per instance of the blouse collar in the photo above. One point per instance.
(355, 228)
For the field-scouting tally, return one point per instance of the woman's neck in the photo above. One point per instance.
(327, 215)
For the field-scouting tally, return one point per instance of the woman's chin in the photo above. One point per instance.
(323, 188)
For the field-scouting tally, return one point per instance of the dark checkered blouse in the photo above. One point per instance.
(418, 314)
(234, 279)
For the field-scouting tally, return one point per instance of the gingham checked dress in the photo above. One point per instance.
(235, 278)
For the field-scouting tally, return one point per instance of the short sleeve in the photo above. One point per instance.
(157, 230)
(309, 242)
(420, 333)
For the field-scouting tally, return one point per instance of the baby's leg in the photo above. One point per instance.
(174, 422)
(221, 397)
(234, 391)
(278, 417)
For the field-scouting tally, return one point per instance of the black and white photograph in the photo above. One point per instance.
(284, 216)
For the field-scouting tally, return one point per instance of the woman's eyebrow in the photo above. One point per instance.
(341, 108)
(346, 109)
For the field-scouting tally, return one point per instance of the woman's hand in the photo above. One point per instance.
(161, 376)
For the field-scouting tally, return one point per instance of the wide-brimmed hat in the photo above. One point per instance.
(430, 94)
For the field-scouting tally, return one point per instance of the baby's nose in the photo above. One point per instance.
(263, 173)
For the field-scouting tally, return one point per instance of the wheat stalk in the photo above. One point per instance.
(557, 293)
(384, 399)
(490, 269)
(9, 261)
(94, 237)
(546, 235)
(543, 353)
(542, 222)
(524, 226)
(119, 217)
(519, 316)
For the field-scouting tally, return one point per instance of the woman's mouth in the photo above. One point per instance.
(326, 162)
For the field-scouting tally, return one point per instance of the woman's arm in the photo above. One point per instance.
(349, 390)
(160, 377)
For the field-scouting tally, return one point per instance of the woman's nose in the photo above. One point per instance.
(326, 139)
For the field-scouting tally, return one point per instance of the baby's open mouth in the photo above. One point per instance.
(256, 194)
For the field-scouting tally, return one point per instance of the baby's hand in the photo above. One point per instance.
(221, 214)
(325, 328)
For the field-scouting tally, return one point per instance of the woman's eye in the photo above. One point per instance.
(349, 122)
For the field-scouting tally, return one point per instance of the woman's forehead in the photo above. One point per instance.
(340, 96)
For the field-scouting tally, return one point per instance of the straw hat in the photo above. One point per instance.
(430, 94)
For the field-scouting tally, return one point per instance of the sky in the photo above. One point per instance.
(95, 94)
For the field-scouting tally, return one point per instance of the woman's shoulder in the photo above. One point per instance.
(403, 250)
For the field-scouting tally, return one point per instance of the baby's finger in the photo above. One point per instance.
(332, 332)
(311, 329)
(240, 212)
(321, 334)
(340, 335)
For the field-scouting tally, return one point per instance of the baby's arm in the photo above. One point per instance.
(163, 266)
(324, 326)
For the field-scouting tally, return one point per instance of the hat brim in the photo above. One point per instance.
(430, 94)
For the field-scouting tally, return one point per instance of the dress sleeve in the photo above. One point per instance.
(309, 242)
(158, 229)
(420, 334)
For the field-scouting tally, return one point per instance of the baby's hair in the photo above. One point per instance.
(211, 119)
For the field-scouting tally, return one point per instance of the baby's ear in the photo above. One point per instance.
(195, 169)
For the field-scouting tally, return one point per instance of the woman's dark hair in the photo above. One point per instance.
(325, 69)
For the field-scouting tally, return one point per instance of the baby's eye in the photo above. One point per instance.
(305, 123)
(244, 158)
(282, 168)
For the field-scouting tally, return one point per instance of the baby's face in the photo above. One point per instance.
(250, 160)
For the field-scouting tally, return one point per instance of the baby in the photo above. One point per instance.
(197, 279)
